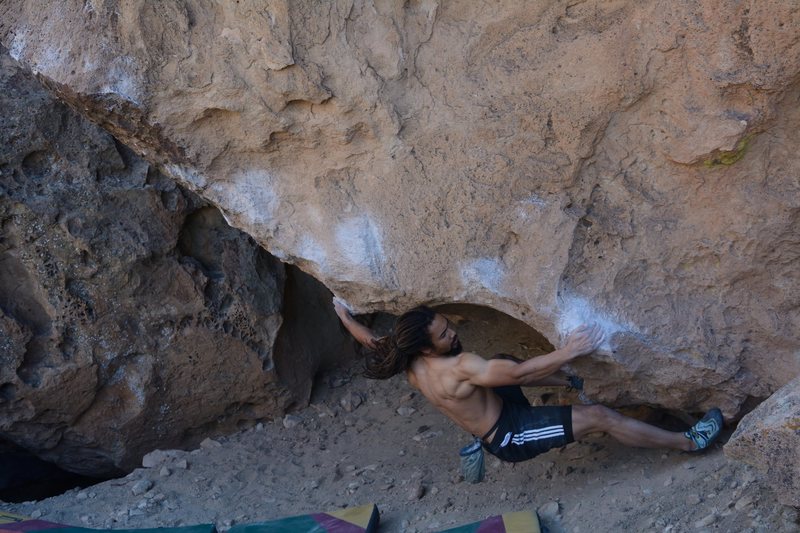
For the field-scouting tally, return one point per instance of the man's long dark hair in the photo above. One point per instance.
(395, 353)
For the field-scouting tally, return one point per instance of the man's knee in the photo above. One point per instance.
(592, 418)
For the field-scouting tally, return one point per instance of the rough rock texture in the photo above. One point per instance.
(131, 315)
(631, 162)
(769, 439)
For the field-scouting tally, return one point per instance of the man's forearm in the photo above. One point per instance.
(359, 331)
(542, 367)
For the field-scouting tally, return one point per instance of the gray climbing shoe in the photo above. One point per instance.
(706, 431)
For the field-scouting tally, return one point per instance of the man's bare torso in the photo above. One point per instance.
(474, 409)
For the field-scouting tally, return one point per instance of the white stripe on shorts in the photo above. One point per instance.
(533, 434)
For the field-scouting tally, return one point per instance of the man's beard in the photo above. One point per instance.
(455, 347)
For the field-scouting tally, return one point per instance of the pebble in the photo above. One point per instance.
(81, 496)
(406, 410)
(290, 421)
(743, 503)
(693, 499)
(36, 514)
(260, 426)
(668, 481)
(141, 486)
(209, 444)
(135, 512)
(426, 435)
(549, 510)
(154, 458)
(164, 472)
(351, 401)
(417, 492)
(707, 521)
(338, 381)
(182, 464)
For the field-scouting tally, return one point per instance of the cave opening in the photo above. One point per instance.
(26, 477)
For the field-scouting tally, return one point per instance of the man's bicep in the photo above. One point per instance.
(493, 373)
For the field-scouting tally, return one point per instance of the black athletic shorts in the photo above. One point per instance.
(524, 431)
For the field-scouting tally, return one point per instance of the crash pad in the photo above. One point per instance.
(519, 522)
(362, 519)
(10, 523)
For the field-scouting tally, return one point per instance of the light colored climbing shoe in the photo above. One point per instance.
(706, 431)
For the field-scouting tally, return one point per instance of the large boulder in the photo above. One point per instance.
(131, 315)
(629, 162)
(769, 439)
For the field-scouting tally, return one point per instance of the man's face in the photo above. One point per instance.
(443, 337)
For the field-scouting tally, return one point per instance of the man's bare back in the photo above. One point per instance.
(441, 380)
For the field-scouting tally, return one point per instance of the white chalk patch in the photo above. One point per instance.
(187, 176)
(534, 200)
(312, 251)
(122, 79)
(249, 196)
(484, 272)
(17, 45)
(577, 311)
(47, 61)
(359, 240)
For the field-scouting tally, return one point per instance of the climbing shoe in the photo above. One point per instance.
(706, 431)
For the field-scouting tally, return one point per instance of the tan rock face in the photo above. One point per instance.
(769, 439)
(627, 162)
(131, 315)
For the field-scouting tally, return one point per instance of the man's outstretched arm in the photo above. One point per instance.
(360, 332)
(498, 372)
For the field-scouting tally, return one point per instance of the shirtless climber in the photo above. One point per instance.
(483, 397)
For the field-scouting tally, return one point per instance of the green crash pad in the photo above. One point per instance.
(520, 522)
(363, 519)
(10, 523)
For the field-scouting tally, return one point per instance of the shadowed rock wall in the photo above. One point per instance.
(627, 162)
(131, 315)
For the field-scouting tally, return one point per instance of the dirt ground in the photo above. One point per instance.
(366, 441)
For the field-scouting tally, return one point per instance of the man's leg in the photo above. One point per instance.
(629, 431)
